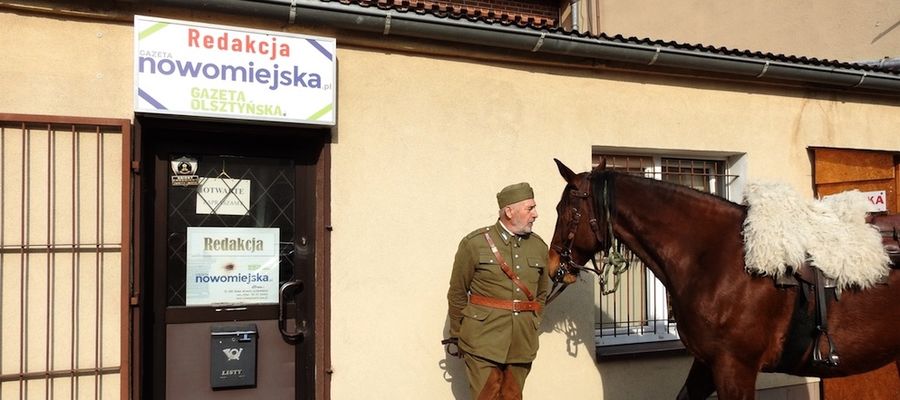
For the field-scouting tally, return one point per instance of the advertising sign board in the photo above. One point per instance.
(216, 71)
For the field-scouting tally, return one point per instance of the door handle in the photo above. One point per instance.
(288, 289)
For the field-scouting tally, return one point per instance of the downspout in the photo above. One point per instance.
(389, 22)
(573, 7)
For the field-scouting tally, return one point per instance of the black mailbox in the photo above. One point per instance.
(232, 356)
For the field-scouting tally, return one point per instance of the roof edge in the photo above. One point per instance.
(387, 20)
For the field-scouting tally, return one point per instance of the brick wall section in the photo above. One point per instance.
(547, 10)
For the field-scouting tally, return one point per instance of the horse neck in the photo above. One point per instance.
(671, 228)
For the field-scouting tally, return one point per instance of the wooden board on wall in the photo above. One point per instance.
(842, 165)
(838, 170)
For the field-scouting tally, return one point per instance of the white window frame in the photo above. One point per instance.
(658, 327)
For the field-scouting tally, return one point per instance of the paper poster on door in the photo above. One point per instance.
(223, 196)
(228, 266)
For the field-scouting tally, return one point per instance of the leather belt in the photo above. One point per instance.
(511, 305)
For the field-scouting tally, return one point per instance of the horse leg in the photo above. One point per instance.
(699, 383)
(734, 380)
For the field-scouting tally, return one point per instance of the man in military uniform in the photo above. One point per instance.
(497, 292)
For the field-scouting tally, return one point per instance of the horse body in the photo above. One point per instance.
(734, 324)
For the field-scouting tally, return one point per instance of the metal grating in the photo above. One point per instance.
(639, 311)
(271, 206)
(60, 258)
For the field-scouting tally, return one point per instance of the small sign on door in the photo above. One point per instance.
(184, 171)
(877, 200)
(223, 196)
(227, 266)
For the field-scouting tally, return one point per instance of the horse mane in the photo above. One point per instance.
(783, 230)
(608, 177)
(603, 191)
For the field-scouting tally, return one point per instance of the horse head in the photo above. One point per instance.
(581, 224)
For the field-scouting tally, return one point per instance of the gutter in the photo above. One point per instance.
(474, 31)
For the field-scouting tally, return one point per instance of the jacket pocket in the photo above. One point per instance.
(472, 324)
(487, 258)
(536, 319)
(538, 263)
(488, 267)
(475, 312)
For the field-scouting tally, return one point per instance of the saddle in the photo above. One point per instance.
(889, 225)
(811, 279)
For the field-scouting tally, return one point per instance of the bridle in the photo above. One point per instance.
(613, 263)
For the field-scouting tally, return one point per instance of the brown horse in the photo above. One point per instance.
(733, 323)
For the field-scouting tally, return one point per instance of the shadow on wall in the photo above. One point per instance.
(637, 377)
(454, 369)
(572, 315)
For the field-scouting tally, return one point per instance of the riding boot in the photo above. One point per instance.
(510, 389)
(493, 386)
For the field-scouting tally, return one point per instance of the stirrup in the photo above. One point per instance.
(831, 359)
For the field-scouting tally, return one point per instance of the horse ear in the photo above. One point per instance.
(566, 173)
(601, 165)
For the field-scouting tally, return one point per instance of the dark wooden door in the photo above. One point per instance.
(231, 247)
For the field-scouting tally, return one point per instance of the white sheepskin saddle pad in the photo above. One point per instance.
(783, 230)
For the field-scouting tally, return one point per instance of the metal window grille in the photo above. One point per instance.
(60, 257)
(639, 312)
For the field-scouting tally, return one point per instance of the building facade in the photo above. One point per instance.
(106, 197)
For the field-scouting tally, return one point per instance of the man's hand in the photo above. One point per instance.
(454, 350)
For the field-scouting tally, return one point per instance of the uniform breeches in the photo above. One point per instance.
(489, 380)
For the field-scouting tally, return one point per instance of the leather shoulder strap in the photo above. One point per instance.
(506, 269)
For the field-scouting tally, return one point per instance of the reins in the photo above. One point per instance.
(613, 263)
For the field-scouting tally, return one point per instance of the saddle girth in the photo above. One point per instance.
(807, 330)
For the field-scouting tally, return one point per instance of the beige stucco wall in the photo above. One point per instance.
(65, 66)
(428, 177)
(422, 145)
(831, 29)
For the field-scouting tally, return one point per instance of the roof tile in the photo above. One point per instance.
(529, 22)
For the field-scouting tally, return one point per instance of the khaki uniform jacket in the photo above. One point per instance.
(495, 334)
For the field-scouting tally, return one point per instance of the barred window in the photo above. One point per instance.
(637, 317)
(61, 256)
